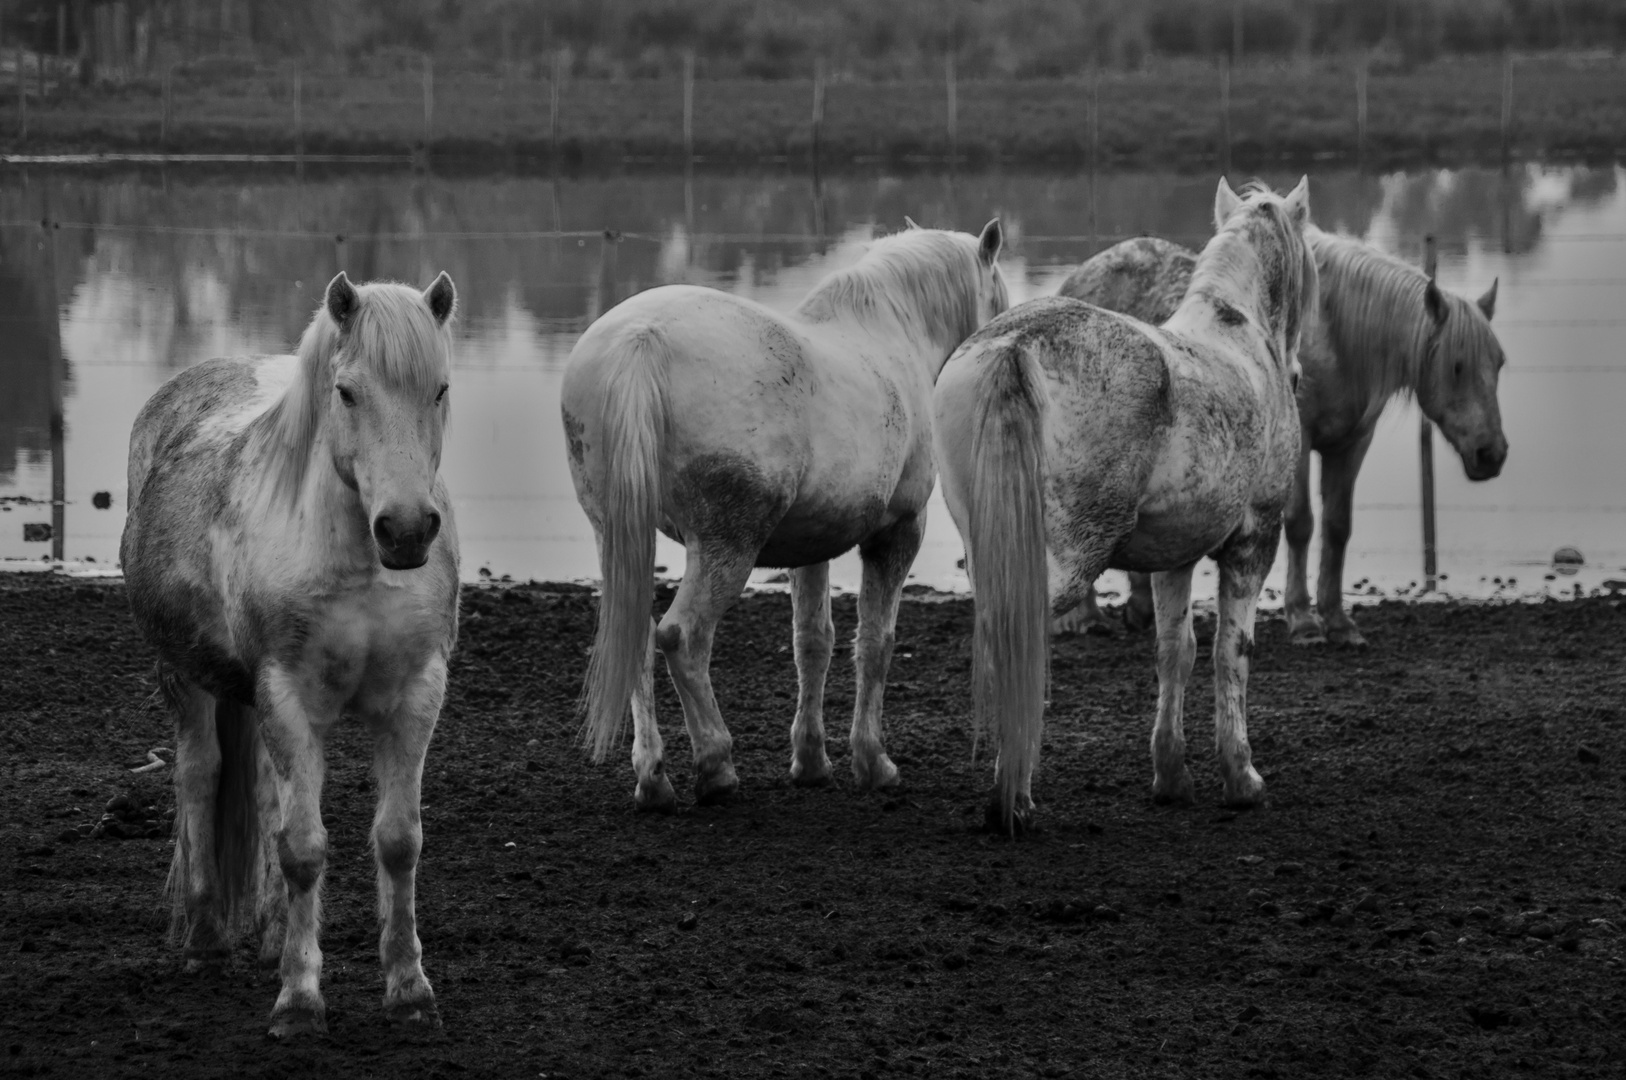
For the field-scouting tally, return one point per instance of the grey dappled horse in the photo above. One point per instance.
(291, 555)
(1071, 439)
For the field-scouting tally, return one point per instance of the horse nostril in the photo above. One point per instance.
(432, 526)
(383, 530)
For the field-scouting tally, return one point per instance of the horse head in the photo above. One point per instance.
(1272, 227)
(1457, 389)
(387, 407)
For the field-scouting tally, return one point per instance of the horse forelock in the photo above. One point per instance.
(393, 335)
(927, 279)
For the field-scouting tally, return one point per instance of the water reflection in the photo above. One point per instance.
(153, 271)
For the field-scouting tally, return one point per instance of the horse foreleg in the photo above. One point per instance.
(1176, 652)
(294, 746)
(1139, 610)
(199, 918)
(401, 741)
(887, 557)
(1242, 574)
(1338, 472)
(1303, 626)
(712, 581)
(815, 635)
(654, 790)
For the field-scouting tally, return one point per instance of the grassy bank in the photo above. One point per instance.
(1448, 111)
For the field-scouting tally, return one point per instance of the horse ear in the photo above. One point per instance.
(1434, 301)
(441, 297)
(1298, 202)
(1225, 203)
(989, 243)
(1487, 303)
(909, 222)
(341, 301)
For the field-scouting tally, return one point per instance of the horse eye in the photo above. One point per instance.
(346, 396)
(442, 395)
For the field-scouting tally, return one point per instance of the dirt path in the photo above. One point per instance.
(1434, 891)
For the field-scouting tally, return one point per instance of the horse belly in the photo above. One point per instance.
(815, 531)
(1169, 541)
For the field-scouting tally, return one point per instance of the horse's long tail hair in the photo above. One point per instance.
(236, 824)
(1009, 574)
(634, 426)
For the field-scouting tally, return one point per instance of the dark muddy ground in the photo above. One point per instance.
(1435, 889)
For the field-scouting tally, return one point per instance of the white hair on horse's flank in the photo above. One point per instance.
(925, 278)
(1375, 309)
(392, 333)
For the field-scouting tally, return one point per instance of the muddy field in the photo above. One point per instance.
(1435, 889)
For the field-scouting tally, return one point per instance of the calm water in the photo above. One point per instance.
(153, 271)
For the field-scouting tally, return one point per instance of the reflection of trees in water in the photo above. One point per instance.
(26, 328)
(181, 267)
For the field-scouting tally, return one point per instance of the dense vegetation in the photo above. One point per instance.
(782, 38)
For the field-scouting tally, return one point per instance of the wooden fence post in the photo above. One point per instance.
(299, 109)
(953, 107)
(1361, 65)
(1426, 452)
(428, 98)
(553, 103)
(1507, 101)
(1225, 114)
(168, 95)
(22, 97)
(818, 105)
(688, 105)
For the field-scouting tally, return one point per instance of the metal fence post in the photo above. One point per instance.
(953, 107)
(688, 105)
(428, 98)
(1425, 449)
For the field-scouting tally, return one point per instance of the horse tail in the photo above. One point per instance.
(236, 825)
(635, 419)
(1008, 569)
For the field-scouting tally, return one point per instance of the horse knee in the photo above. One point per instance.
(668, 638)
(816, 642)
(302, 853)
(1299, 527)
(398, 849)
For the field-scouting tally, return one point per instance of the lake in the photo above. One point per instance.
(149, 270)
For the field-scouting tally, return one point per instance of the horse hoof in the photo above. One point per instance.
(1179, 791)
(206, 961)
(876, 775)
(1346, 636)
(1246, 792)
(717, 787)
(815, 776)
(655, 795)
(296, 1023)
(1018, 824)
(414, 1015)
(1309, 635)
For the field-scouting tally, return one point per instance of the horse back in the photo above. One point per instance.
(1145, 278)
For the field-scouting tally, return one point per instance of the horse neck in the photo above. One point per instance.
(856, 299)
(1228, 272)
(1373, 321)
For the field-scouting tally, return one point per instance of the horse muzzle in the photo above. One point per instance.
(1485, 461)
(404, 536)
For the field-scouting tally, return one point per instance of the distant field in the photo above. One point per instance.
(1447, 111)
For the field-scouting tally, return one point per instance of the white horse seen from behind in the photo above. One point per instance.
(290, 554)
(1073, 439)
(759, 439)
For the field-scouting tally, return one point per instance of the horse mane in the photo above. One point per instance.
(1223, 262)
(1376, 319)
(917, 277)
(392, 332)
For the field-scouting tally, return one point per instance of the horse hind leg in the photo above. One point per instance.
(1176, 653)
(198, 920)
(1242, 573)
(653, 792)
(713, 580)
(1338, 474)
(887, 558)
(271, 898)
(815, 635)
(1304, 626)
